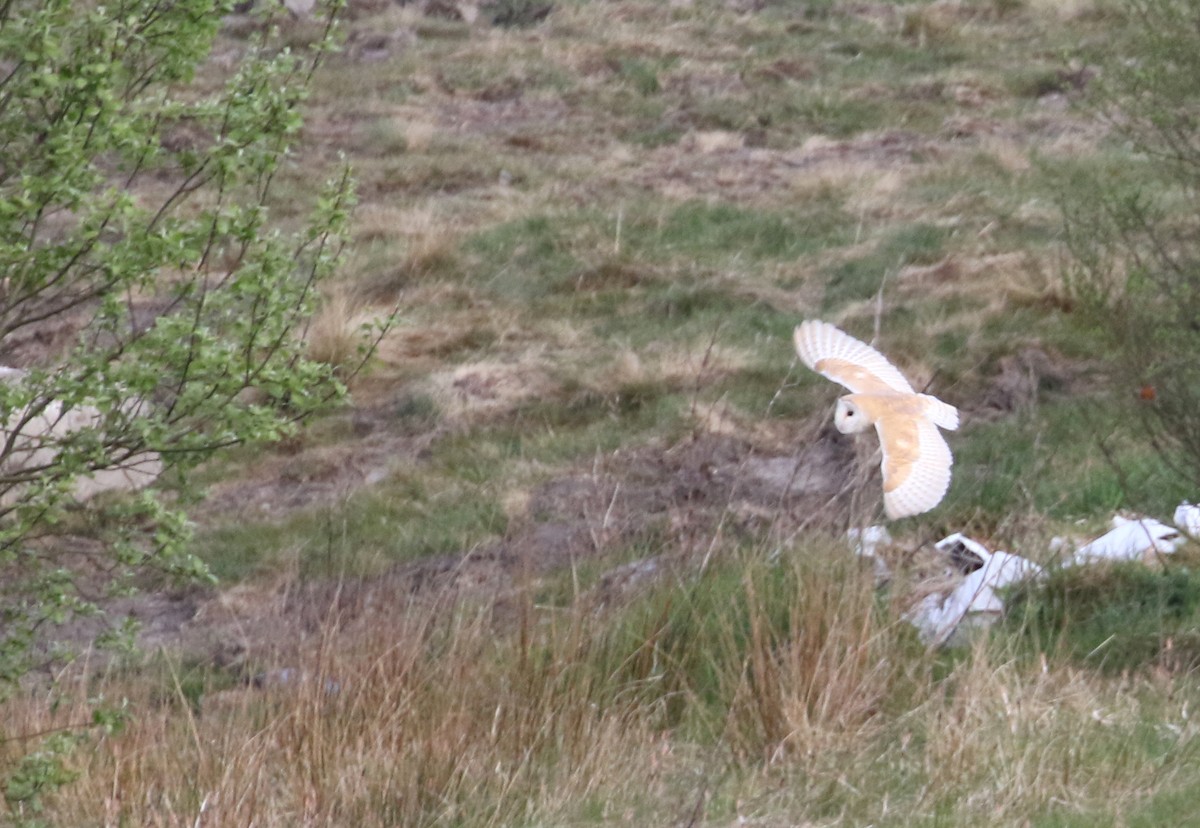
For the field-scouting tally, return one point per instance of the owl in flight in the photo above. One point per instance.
(916, 460)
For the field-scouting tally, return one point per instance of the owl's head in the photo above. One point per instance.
(849, 418)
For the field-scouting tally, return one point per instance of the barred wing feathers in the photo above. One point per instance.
(847, 361)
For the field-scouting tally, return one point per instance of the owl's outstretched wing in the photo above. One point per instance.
(835, 354)
(916, 464)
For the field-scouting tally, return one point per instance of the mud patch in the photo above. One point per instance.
(1022, 378)
(672, 501)
(306, 476)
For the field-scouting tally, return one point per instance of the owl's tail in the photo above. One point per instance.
(940, 413)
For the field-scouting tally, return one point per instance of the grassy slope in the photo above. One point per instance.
(600, 231)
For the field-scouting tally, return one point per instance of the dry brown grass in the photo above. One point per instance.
(816, 686)
(792, 706)
(336, 335)
(420, 722)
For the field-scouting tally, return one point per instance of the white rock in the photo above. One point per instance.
(34, 447)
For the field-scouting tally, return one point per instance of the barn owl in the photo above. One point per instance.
(916, 460)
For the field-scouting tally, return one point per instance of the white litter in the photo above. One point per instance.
(866, 542)
(299, 8)
(1187, 519)
(1130, 540)
(966, 554)
(937, 617)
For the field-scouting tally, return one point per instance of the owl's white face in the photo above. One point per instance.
(849, 418)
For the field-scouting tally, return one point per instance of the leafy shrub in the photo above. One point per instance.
(137, 239)
(1132, 226)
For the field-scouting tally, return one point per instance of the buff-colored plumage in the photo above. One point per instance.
(916, 460)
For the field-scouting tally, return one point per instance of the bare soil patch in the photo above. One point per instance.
(675, 499)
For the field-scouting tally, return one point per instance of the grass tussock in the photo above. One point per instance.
(774, 691)
(816, 682)
(336, 334)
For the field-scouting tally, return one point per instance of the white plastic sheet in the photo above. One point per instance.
(937, 617)
(1130, 540)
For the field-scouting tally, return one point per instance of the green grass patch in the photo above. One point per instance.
(701, 314)
(1052, 462)
(1114, 618)
(832, 113)
(679, 275)
(874, 56)
(659, 132)
(699, 230)
(861, 278)
(641, 75)
(174, 681)
(520, 258)
(1174, 806)
(588, 421)
(411, 516)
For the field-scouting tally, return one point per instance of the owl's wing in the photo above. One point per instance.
(835, 354)
(916, 464)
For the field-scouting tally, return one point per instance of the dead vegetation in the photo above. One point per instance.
(725, 691)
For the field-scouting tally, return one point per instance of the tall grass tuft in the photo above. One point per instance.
(818, 666)
(783, 690)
